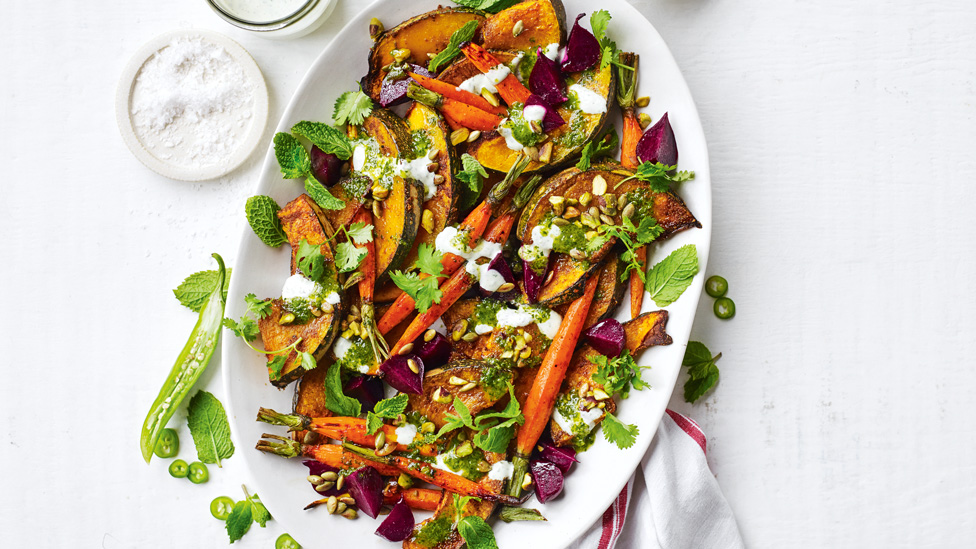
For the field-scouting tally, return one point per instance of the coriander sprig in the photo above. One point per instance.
(658, 176)
(424, 290)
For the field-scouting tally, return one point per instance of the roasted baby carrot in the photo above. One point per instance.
(509, 88)
(542, 396)
(632, 132)
(367, 268)
(453, 92)
(339, 428)
(470, 117)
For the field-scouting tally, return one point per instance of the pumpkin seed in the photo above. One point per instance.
(428, 427)
(331, 504)
(518, 28)
(491, 98)
(413, 365)
(599, 185)
(642, 101)
(622, 202)
(629, 211)
(400, 55)
(340, 507)
(350, 514)
(571, 213)
(606, 219)
(506, 287)
(526, 481)
(330, 475)
(469, 337)
(340, 482)
(577, 255)
(459, 135)
(377, 208)
(405, 480)
(644, 120)
(375, 28)
(455, 380)
(314, 479)
(405, 350)
(429, 335)
(380, 440)
(323, 487)
(560, 222)
(483, 466)
(347, 499)
(286, 318)
(427, 221)
(585, 199)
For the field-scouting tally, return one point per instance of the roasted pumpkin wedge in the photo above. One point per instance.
(397, 216)
(446, 383)
(352, 190)
(567, 140)
(609, 291)
(427, 33)
(640, 333)
(429, 132)
(459, 318)
(541, 22)
(309, 401)
(302, 219)
(566, 280)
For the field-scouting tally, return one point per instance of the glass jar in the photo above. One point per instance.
(274, 18)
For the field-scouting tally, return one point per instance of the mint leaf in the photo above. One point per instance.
(518, 514)
(618, 432)
(262, 215)
(276, 365)
(360, 232)
(292, 156)
(390, 408)
(329, 139)
(453, 49)
(321, 195)
(259, 512)
(373, 422)
(424, 292)
(352, 107)
(702, 370)
(472, 174)
(335, 399)
(477, 533)
(667, 280)
(605, 146)
(246, 328)
(311, 262)
(239, 520)
(348, 257)
(195, 289)
(491, 6)
(209, 427)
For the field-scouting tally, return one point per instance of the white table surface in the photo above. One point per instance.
(843, 146)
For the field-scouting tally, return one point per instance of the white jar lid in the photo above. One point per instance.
(192, 126)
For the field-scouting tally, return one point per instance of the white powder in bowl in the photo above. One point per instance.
(191, 103)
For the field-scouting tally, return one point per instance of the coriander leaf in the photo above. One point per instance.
(702, 370)
(259, 512)
(335, 399)
(618, 432)
(453, 49)
(352, 107)
(276, 365)
(598, 23)
(491, 6)
(390, 408)
(329, 139)
(605, 146)
(321, 195)
(477, 533)
(648, 231)
(473, 174)
(518, 514)
(262, 215)
(195, 289)
(659, 176)
(667, 280)
(239, 520)
(348, 257)
(308, 360)
(292, 156)
(209, 427)
(258, 307)
(429, 260)
(360, 232)
(373, 422)
(311, 262)
(424, 292)
(616, 374)
(246, 328)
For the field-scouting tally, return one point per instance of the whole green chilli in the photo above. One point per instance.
(189, 365)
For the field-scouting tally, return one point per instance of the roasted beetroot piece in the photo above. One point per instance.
(433, 353)
(548, 480)
(398, 374)
(582, 49)
(564, 458)
(326, 167)
(394, 90)
(368, 390)
(398, 525)
(607, 337)
(499, 265)
(365, 485)
(533, 280)
(551, 120)
(317, 467)
(546, 80)
(658, 144)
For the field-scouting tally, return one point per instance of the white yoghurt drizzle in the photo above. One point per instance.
(590, 102)
(298, 286)
(501, 470)
(510, 140)
(417, 169)
(543, 239)
(587, 417)
(534, 113)
(522, 316)
(406, 434)
(477, 83)
(449, 242)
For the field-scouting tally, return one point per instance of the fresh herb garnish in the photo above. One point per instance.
(388, 408)
(208, 425)
(248, 510)
(667, 280)
(604, 146)
(632, 237)
(295, 163)
(196, 288)
(658, 176)
(453, 49)
(702, 369)
(519, 514)
(328, 138)
(246, 327)
(424, 291)
(473, 174)
(618, 432)
(617, 374)
(352, 107)
(491, 6)
(477, 533)
(493, 430)
(335, 399)
(261, 212)
(311, 262)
